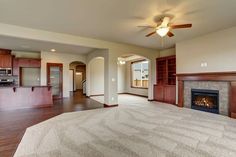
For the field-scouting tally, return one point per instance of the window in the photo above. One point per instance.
(140, 74)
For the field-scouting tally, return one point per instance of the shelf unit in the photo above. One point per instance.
(165, 88)
(171, 63)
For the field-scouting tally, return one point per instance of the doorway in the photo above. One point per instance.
(133, 75)
(77, 77)
(55, 79)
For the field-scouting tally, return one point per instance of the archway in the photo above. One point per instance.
(96, 75)
(77, 76)
(133, 75)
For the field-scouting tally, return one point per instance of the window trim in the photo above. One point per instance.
(131, 73)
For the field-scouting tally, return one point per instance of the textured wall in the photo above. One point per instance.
(216, 49)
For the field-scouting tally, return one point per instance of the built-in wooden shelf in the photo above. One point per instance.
(165, 87)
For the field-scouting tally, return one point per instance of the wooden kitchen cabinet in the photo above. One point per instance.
(5, 58)
(5, 61)
(160, 95)
(170, 94)
(165, 88)
(165, 93)
(25, 63)
(29, 62)
(5, 51)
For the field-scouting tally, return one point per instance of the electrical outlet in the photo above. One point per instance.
(204, 64)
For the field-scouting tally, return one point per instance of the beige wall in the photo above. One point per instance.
(71, 82)
(167, 52)
(121, 80)
(217, 49)
(97, 76)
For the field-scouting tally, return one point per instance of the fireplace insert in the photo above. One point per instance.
(205, 100)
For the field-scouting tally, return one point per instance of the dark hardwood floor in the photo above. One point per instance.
(14, 123)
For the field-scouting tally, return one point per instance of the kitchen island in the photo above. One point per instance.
(15, 97)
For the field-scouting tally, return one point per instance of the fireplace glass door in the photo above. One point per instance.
(205, 100)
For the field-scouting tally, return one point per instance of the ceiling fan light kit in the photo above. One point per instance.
(162, 31)
(121, 61)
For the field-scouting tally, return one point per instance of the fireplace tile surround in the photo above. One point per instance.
(222, 87)
(225, 82)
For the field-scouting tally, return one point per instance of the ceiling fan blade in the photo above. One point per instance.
(181, 26)
(147, 26)
(170, 34)
(148, 35)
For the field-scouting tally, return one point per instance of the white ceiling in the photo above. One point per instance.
(117, 20)
(18, 44)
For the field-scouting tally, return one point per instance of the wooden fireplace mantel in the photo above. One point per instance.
(211, 76)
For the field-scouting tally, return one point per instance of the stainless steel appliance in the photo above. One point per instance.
(7, 81)
(5, 71)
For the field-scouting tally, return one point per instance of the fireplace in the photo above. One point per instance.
(205, 100)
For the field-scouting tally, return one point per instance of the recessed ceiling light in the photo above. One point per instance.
(53, 50)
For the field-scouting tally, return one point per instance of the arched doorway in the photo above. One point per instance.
(77, 77)
(96, 75)
(133, 75)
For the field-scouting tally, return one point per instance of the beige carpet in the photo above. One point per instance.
(136, 128)
(125, 99)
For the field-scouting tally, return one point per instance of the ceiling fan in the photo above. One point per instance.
(164, 27)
